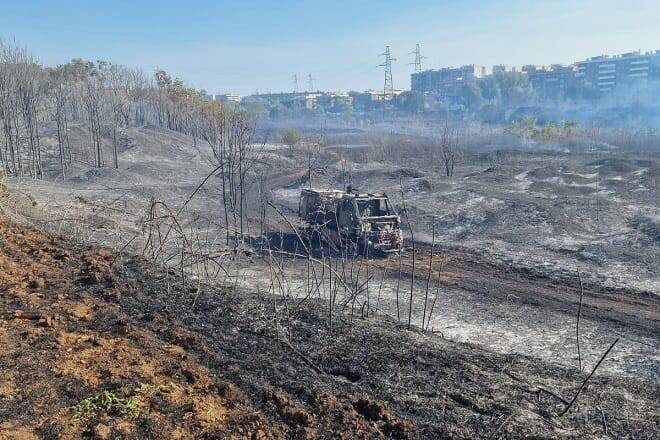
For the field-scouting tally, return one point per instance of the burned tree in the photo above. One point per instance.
(228, 132)
(30, 87)
(94, 103)
(449, 151)
(119, 87)
(9, 105)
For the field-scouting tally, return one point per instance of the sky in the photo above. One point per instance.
(243, 47)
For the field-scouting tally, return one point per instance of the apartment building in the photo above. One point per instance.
(447, 82)
(606, 73)
(551, 82)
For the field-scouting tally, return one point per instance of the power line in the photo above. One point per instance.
(418, 59)
(295, 83)
(388, 89)
(310, 82)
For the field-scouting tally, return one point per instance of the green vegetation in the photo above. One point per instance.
(412, 102)
(527, 128)
(501, 90)
(291, 137)
(109, 403)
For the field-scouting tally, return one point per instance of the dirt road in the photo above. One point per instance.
(510, 309)
(528, 311)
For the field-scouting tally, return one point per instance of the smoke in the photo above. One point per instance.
(628, 106)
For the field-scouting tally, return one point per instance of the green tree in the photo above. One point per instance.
(492, 113)
(514, 88)
(340, 106)
(279, 111)
(470, 96)
(490, 90)
(291, 137)
(255, 108)
(412, 102)
(580, 90)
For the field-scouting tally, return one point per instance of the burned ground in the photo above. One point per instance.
(210, 363)
(88, 352)
(532, 215)
(511, 234)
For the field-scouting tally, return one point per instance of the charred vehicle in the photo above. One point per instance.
(351, 218)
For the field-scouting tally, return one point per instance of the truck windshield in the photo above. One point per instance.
(373, 207)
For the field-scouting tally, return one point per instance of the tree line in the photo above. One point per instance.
(105, 98)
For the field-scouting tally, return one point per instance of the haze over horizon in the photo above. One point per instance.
(233, 47)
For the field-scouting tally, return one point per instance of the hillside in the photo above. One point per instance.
(106, 347)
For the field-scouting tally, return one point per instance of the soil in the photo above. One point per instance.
(80, 321)
(66, 336)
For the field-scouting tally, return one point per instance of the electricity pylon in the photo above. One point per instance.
(388, 89)
(418, 59)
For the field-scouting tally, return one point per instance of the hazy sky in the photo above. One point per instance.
(244, 46)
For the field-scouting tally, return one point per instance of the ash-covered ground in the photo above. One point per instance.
(551, 211)
(512, 227)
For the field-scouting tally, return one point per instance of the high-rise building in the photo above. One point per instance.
(606, 73)
(447, 82)
(551, 82)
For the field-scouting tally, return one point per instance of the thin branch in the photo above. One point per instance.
(588, 377)
(577, 324)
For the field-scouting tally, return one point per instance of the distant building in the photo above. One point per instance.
(307, 100)
(447, 82)
(333, 99)
(551, 82)
(292, 100)
(372, 99)
(501, 68)
(227, 97)
(606, 73)
(585, 79)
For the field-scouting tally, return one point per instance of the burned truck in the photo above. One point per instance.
(350, 219)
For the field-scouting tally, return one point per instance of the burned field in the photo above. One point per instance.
(548, 210)
(519, 230)
(290, 338)
(212, 363)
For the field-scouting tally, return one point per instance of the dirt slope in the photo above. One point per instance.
(63, 339)
(95, 347)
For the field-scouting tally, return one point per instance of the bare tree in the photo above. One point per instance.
(291, 137)
(31, 88)
(119, 86)
(61, 96)
(94, 102)
(228, 132)
(412, 241)
(9, 58)
(449, 152)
